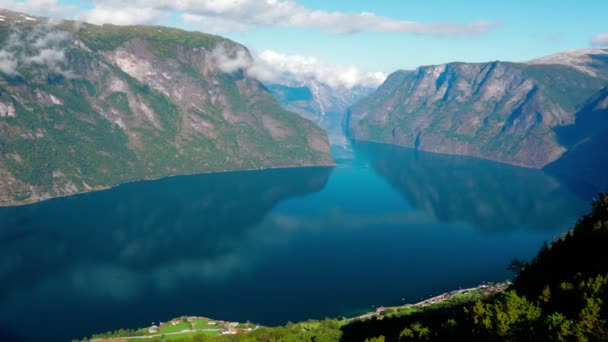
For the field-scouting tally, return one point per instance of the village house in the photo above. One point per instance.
(230, 331)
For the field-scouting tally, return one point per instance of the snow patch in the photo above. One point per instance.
(120, 123)
(137, 68)
(317, 97)
(577, 59)
(7, 110)
(118, 85)
(55, 100)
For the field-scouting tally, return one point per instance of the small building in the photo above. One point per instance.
(230, 331)
(192, 318)
(176, 322)
(153, 329)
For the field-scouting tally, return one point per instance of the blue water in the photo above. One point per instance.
(385, 226)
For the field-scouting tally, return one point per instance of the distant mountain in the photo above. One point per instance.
(321, 103)
(498, 110)
(86, 107)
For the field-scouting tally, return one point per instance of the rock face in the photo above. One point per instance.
(501, 111)
(321, 103)
(586, 160)
(84, 107)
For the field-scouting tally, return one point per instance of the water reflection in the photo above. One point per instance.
(118, 244)
(270, 246)
(490, 196)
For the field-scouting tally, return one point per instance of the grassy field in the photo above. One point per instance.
(170, 328)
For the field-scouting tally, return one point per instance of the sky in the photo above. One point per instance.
(364, 39)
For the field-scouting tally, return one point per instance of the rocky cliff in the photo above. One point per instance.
(501, 111)
(84, 107)
(321, 103)
(586, 160)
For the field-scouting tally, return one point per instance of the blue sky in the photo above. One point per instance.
(528, 29)
(335, 33)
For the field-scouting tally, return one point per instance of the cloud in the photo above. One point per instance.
(115, 13)
(274, 67)
(242, 15)
(8, 62)
(600, 40)
(229, 58)
(41, 46)
(48, 8)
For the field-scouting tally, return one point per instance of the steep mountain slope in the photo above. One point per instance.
(500, 110)
(586, 140)
(84, 107)
(321, 103)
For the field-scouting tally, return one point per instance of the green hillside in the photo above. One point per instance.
(87, 107)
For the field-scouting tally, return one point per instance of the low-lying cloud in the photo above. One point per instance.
(229, 58)
(274, 67)
(271, 66)
(39, 46)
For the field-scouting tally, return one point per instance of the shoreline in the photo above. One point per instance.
(104, 188)
(485, 289)
(355, 140)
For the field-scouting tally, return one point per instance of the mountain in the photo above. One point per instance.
(321, 103)
(498, 110)
(586, 161)
(86, 107)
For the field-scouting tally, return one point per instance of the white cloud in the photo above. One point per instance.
(49, 57)
(229, 58)
(8, 62)
(241, 15)
(49, 8)
(41, 46)
(274, 67)
(600, 40)
(115, 13)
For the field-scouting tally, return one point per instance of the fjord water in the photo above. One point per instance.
(386, 226)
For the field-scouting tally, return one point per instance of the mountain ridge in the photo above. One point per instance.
(503, 111)
(85, 107)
